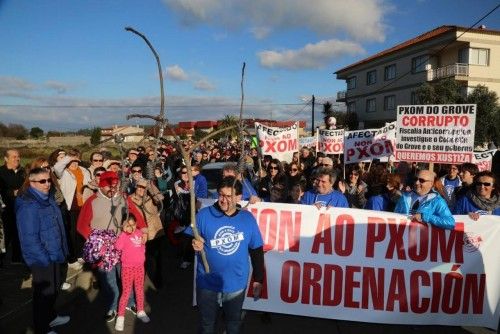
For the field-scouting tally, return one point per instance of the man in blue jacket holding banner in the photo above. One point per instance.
(424, 204)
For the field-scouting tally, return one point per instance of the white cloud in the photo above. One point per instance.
(260, 32)
(59, 87)
(203, 84)
(312, 56)
(361, 19)
(62, 112)
(70, 113)
(176, 73)
(9, 85)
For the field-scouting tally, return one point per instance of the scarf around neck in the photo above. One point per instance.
(487, 204)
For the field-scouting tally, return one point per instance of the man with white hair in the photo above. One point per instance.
(43, 245)
(424, 204)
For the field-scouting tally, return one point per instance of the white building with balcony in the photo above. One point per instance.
(377, 84)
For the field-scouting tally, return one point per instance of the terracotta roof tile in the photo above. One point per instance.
(421, 38)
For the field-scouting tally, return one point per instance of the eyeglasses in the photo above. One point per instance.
(184, 172)
(325, 165)
(226, 197)
(97, 160)
(355, 174)
(486, 184)
(42, 181)
(274, 167)
(420, 180)
(136, 170)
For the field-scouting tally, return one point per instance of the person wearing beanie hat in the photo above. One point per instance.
(105, 210)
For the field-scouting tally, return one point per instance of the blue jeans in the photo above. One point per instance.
(108, 281)
(209, 303)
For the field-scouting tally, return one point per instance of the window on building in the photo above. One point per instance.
(419, 63)
(371, 105)
(351, 107)
(463, 56)
(479, 56)
(390, 72)
(414, 98)
(351, 83)
(371, 77)
(390, 102)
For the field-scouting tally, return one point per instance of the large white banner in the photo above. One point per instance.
(369, 144)
(372, 266)
(310, 142)
(280, 143)
(331, 141)
(484, 159)
(436, 133)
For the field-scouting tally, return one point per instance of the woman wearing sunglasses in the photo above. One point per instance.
(275, 175)
(148, 203)
(295, 174)
(481, 199)
(354, 188)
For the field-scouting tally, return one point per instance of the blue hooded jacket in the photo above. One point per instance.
(41, 229)
(433, 209)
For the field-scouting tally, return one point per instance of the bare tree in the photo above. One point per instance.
(162, 122)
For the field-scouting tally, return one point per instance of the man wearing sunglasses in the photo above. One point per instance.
(424, 204)
(43, 245)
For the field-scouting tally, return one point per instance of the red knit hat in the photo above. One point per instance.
(108, 178)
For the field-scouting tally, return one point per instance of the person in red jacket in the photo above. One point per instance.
(104, 210)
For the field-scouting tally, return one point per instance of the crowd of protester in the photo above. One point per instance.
(147, 193)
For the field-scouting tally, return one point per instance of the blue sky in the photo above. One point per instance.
(70, 64)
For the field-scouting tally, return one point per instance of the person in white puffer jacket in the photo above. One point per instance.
(72, 180)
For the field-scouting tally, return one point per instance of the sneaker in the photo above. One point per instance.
(185, 265)
(120, 323)
(75, 265)
(132, 309)
(179, 229)
(110, 316)
(65, 286)
(143, 317)
(59, 320)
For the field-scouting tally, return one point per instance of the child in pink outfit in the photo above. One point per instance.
(131, 244)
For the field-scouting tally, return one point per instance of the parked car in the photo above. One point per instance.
(213, 173)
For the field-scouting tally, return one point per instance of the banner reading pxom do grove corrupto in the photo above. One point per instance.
(436, 133)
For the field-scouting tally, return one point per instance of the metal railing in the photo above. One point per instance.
(448, 71)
